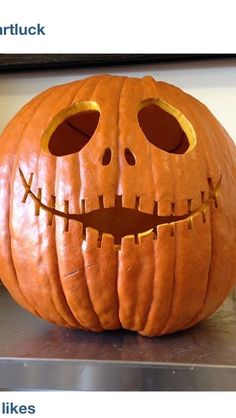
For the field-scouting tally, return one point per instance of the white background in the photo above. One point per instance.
(125, 404)
(75, 26)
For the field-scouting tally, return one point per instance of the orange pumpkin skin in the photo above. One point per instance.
(152, 285)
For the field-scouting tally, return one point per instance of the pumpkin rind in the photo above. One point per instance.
(152, 285)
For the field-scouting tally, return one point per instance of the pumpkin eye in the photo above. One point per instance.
(166, 127)
(76, 126)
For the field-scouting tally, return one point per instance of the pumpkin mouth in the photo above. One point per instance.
(120, 221)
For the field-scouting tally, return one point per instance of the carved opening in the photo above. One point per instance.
(71, 129)
(166, 127)
(130, 158)
(106, 159)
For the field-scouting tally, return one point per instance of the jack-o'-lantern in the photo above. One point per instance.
(118, 206)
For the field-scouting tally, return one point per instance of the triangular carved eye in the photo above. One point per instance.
(165, 127)
(71, 129)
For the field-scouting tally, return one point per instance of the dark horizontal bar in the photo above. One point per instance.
(35, 62)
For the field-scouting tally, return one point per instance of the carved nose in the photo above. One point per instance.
(129, 156)
(107, 155)
(106, 158)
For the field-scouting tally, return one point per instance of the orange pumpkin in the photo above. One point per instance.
(118, 206)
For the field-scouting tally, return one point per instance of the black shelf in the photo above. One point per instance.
(36, 62)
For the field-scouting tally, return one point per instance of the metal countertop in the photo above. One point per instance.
(35, 355)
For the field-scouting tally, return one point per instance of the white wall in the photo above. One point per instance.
(212, 82)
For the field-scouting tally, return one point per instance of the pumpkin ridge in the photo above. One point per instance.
(192, 321)
(162, 331)
(117, 274)
(210, 169)
(118, 133)
(94, 322)
(62, 296)
(149, 312)
(154, 264)
(212, 200)
(9, 163)
(63, 290)
(63, 88)
(67, 290)
(57, 296)
(209, 162)
(165, 325)
(84, 261)
(154, 85)
(207, 309)
(13, 171)
(228, 146)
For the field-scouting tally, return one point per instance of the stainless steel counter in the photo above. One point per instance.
(35, 355)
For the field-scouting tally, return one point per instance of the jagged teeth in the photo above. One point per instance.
(202, 197)
(27, 185)
(99, 240)
(155, 208)
(82, 206)
(101, 203)
(172, 208)
(137, 237)
(204, 219)
(190, 222)
(118, 201)
(137, 202)
(66, 220)
(37, 204)
(216, 202)
(190, 203)
(210, 183)
(84, 232)
(155, 233)
(50, 214)
(172, 229)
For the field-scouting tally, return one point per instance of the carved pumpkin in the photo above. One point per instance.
(118, 207)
